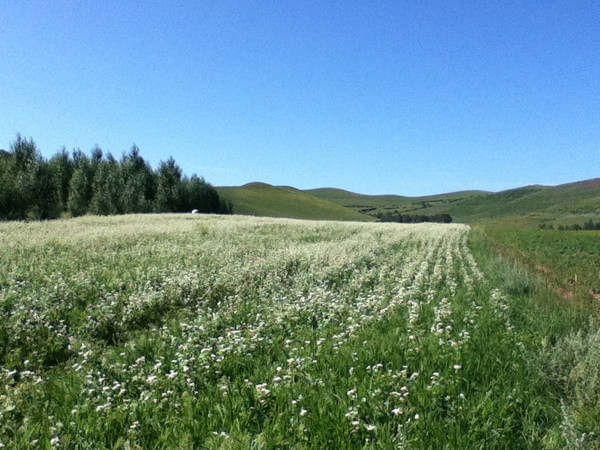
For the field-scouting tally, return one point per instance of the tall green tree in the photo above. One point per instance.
(27, 190)
(82, 181)
(8, 193)
(61, 168)
(80, 187)
(107, 188)
(201, 195)
(169, 191)
(139, 183)
(46, 203)
(26, 160)
(32, 187)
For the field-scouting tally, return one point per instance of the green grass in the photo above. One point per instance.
(193, 331)
(559, 205)
(427, 205)
(527, 206)
(557, 320)
(259, 199)
(569, 260)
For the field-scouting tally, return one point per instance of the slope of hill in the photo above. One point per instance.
(358, 201)
(567, 203)
(379, 203)
(261, 199)
(556, 205)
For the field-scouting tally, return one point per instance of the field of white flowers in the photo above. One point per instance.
(181, 331)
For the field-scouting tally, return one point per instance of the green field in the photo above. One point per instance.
(197, 331)
(568, 260)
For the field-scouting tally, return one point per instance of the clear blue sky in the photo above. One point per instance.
(402, 97)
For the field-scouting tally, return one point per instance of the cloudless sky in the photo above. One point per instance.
(399, 97)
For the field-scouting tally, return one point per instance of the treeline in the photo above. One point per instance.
(588, 225)
(413, 218)
(32, 187)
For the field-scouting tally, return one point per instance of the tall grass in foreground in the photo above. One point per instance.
(229, 332)
(562, 340)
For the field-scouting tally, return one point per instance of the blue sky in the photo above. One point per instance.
(397, 97)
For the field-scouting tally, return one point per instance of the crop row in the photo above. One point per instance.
(188, 331)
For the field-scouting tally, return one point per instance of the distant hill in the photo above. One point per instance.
(555, 205)
(565, 203)
(261, 199)
(374, 203)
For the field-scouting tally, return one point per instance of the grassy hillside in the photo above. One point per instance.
(364, 202)
(260, 199)
(358, 201)
(530, 205)
(563, 204)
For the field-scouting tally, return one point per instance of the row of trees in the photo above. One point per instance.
(413, 218)
(77, 184)
(588, 225)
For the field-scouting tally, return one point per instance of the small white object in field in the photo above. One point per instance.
(195, 211)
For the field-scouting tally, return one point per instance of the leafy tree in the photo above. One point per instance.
(201, 195)
(169, 191)
(413, 218)
(82, 181)
(26, 159)
(46, 204)
(61, 167)
(32, 187)
(8, 193)
(80, 187)
(133, 198)
(97, 155)
(107, 188)
(139, 183)
(27, 190)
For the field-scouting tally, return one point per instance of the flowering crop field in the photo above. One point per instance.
(192, 331)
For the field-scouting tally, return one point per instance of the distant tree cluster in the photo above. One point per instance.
(588, 225)
(32, 187)
(413, 218)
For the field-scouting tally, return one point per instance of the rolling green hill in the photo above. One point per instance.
(260, 199)
(562, 204)
(556, 205)
(377, 203)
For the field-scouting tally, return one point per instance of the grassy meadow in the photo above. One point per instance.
(205, 331)
(569, 260)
